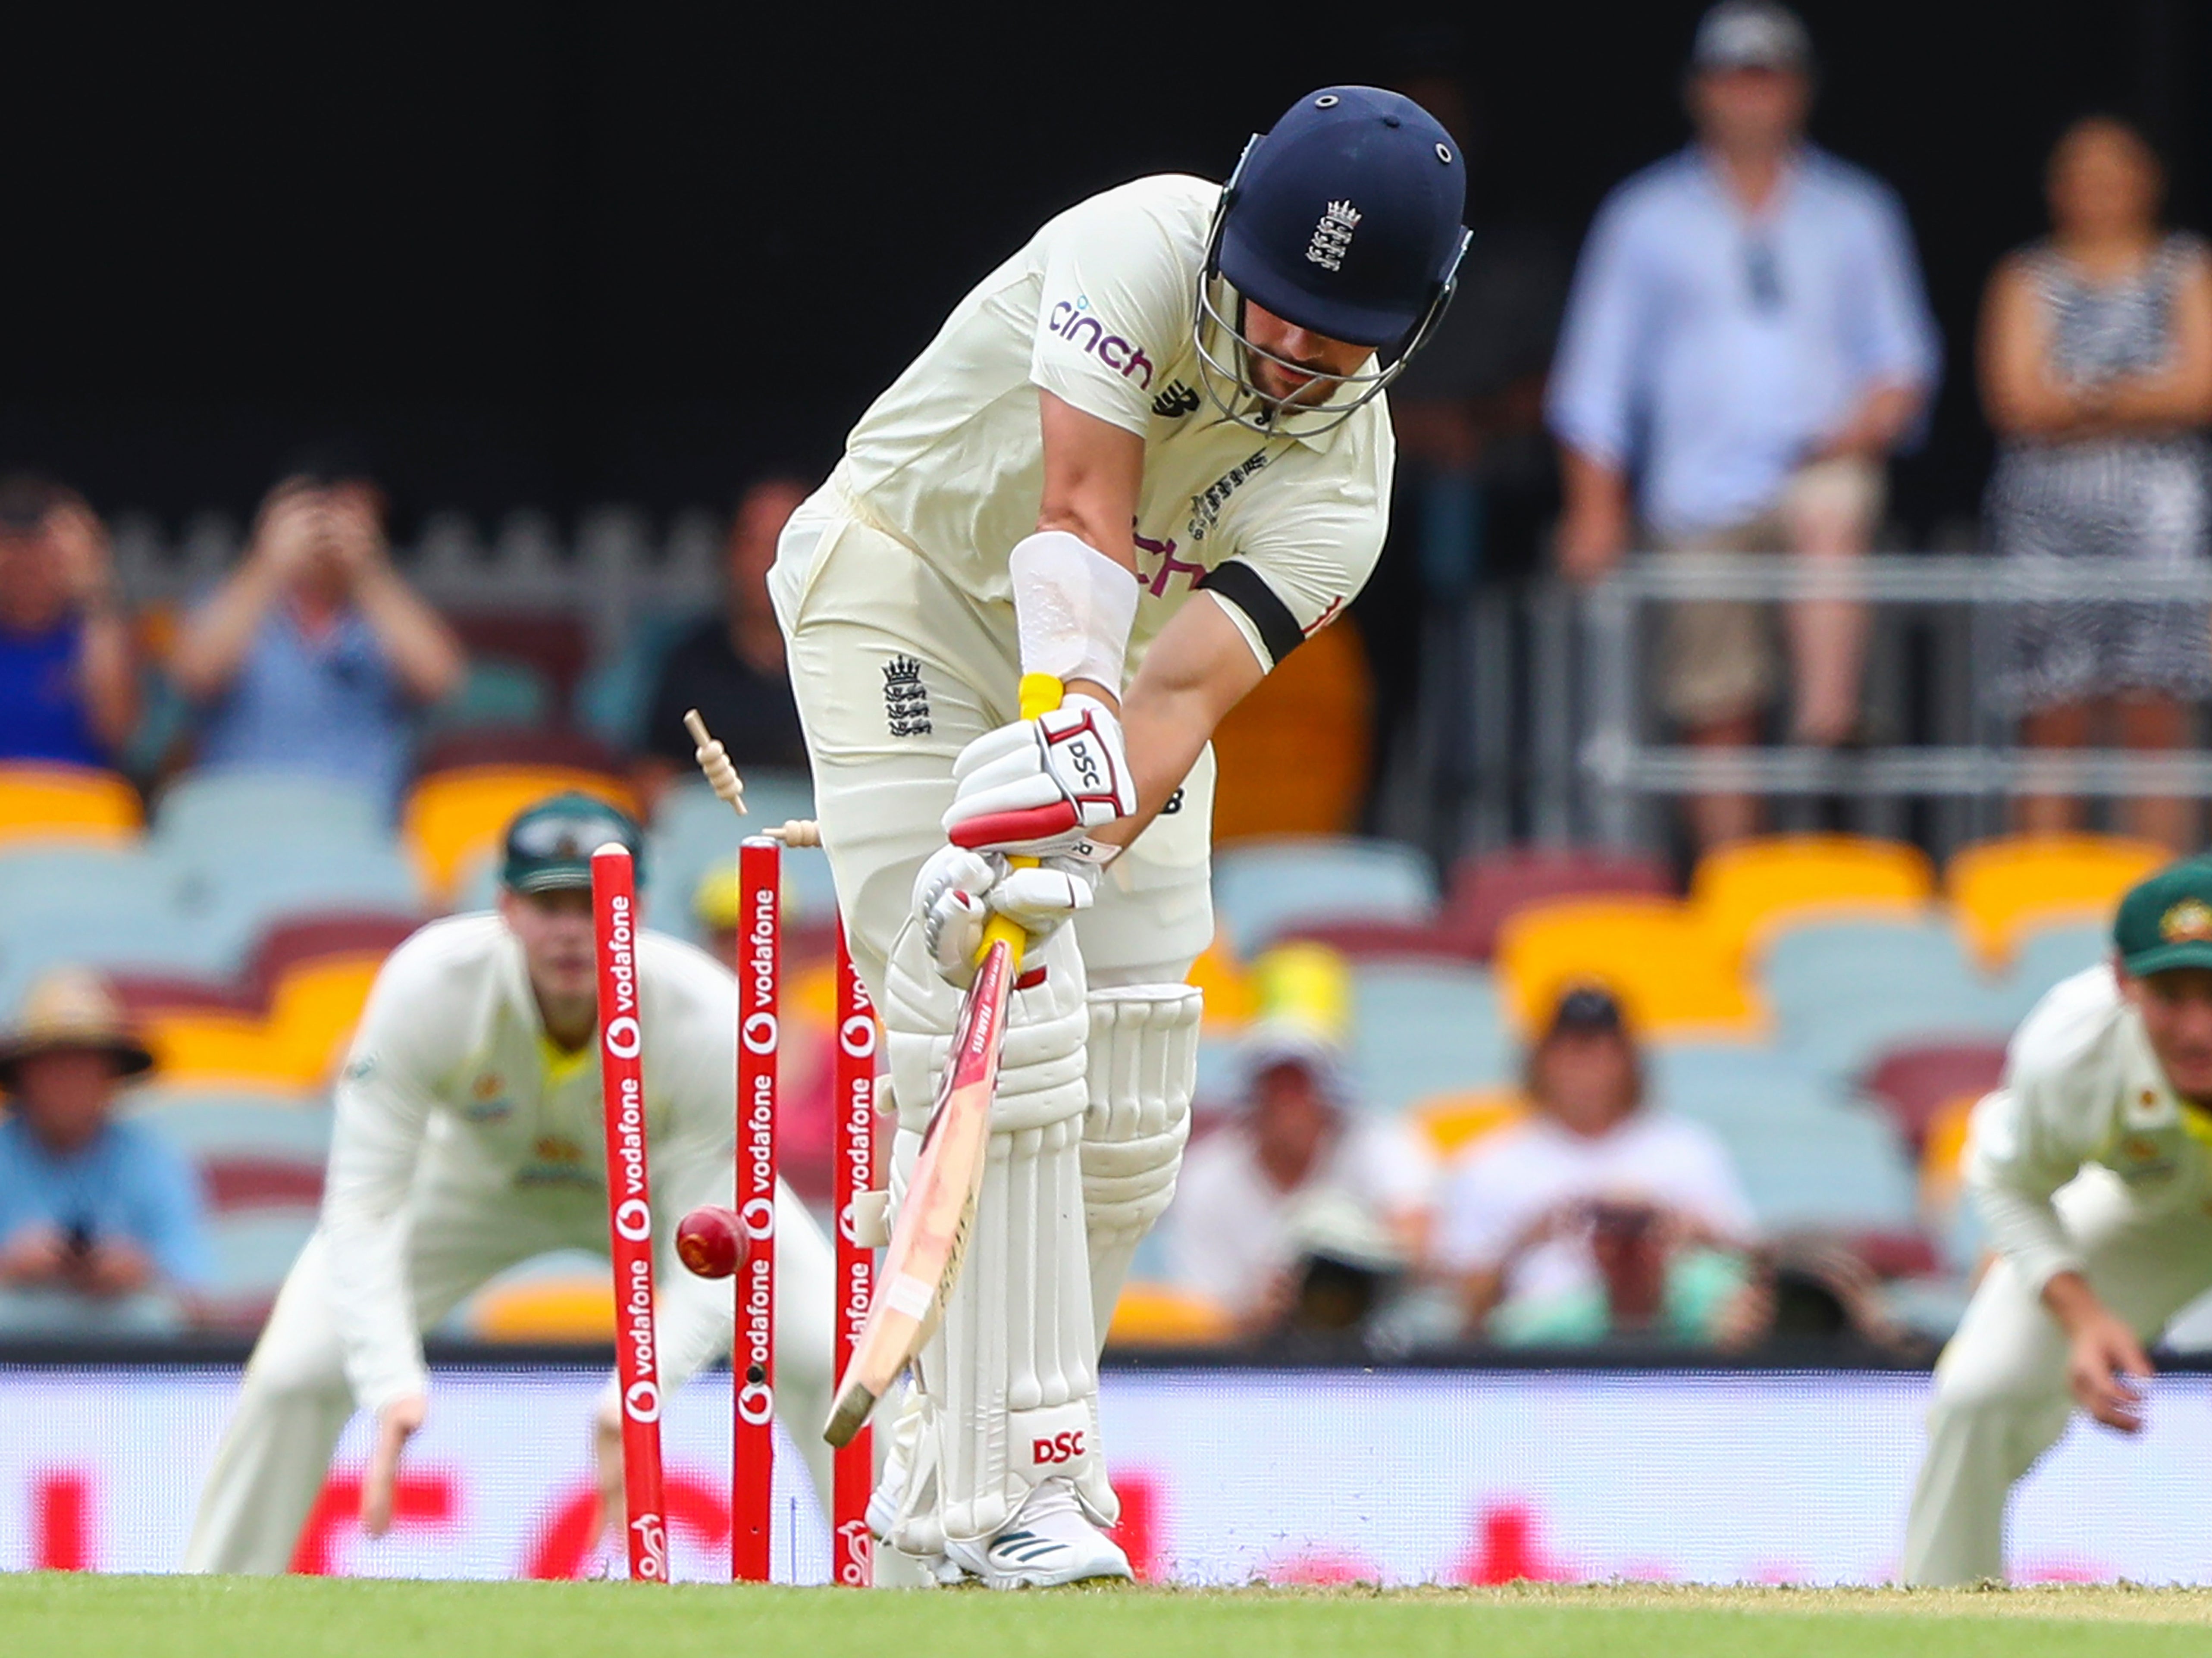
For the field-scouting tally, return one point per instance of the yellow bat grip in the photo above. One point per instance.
(1040, 695)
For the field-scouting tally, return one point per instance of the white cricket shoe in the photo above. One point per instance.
(1050, 1542)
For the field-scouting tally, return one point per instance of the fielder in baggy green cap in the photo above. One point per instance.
(2165, 922)
(550, 845)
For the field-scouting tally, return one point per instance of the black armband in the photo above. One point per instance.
(1239, 584)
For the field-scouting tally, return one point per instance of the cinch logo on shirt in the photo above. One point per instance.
(1170, 566)
(1074, 322)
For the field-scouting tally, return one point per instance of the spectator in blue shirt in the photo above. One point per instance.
(1747, 340)
(92, 1210)
(315, 653)
(69, 685)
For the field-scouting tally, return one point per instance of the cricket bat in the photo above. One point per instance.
(930, 1236)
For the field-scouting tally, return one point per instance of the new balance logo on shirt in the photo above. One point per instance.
(1176, 402)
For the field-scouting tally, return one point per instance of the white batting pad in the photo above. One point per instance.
(1143, 1072)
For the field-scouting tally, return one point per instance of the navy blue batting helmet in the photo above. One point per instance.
(1344, 219)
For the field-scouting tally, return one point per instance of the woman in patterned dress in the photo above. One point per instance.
(2096, 371)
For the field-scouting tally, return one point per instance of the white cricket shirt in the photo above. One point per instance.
(451, 1099)
(1098, 309)
(2082, 1086)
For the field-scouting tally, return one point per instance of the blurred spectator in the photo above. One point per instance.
(68, 679)
(1285, 1211)
(730, 667)
(1595, 1218)
(93, 1211)
(2097, 375)
(1748, 337)
(1476, 480)
(312, 654)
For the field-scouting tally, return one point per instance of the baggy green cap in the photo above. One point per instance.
(2166, 920)
(550, 845)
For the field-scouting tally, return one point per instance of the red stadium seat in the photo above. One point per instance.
(1914, 1083)
(557, 646)
(321, 934)
(519, 745)
(1362, 941)
(243, 1182)
(1486, 888)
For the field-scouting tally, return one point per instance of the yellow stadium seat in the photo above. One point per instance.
(1157, 1316)
(1943, 1152)
(1744, 891)
(2005, 888)
(1673, 977)
(1451, 1123)
(1309, 719)
(195, 1048)
(66, 803)
(454, 819)
(313, 1008)
(564, 1308)
(1231, 999)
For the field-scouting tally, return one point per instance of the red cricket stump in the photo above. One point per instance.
(752, 1357)
(852, 1553)
(629, 1210)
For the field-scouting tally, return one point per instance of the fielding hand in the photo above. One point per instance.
(2105, 1355)
(396, 1423)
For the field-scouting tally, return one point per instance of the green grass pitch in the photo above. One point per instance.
(47, 1613)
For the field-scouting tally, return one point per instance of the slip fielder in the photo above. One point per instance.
(1146, 456)
(2089, 1166)
(469, 1138)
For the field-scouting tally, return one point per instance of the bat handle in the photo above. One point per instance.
(1040, 695)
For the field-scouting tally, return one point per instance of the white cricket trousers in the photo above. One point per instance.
(294, 1400)
(2001, 1394)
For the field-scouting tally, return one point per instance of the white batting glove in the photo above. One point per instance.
(958, 891)
(1039, 787)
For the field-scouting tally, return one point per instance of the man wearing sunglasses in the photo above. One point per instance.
(1146, 457)
(469, 1138)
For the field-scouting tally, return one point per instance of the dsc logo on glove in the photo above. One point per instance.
(1058, 1449)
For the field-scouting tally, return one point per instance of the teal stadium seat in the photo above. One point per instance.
(1260, 888)
(1844, 992)
(41, 884)
(496, 692)
(615, 698)
(205, 819)
(240, 897)
(1835, 1170)
(155, 942)
(2051, 954)
(207, 1127)
(1424, 1028)
(1721, 1084)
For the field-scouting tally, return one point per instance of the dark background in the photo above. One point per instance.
(558, 257)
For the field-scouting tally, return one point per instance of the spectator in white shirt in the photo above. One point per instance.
(1596, 1217)
(1748, 341)
(1254, 1196)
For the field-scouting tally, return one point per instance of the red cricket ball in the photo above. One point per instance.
(711, 1241)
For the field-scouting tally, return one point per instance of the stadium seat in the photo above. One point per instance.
(252, 1249)
(614, 698)
(547, 648)
(1746, 890)
(564, 1297)
(1261, 888)
(208, 1125)
(518, 746)
(1842, 1171)
(2006, 888)
(1673, 978)
(295, 1041)
(155, 942)
(694, 830)
(1487, 888)
(1721, 1084)
(1231, 997)
(452, 820)
(1420, 1029)
(1915, 1083)
(1449, 1124)
(1843, 992)
(1151, 1315)
(41, 883)
(207, 817)
(42, 803)
(320, 935)
(2049, 954)
(496, 693)
(240, 899)
(1382, 940)
(1309, 719)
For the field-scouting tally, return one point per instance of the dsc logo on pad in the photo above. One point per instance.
(1057, 1448)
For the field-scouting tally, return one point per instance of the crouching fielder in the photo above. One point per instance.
(1146, 456)
(469, 1137)
(2090, 1169)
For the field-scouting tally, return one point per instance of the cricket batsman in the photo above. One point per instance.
(1146, 456)
(2090, 1167)
(470, 1136)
